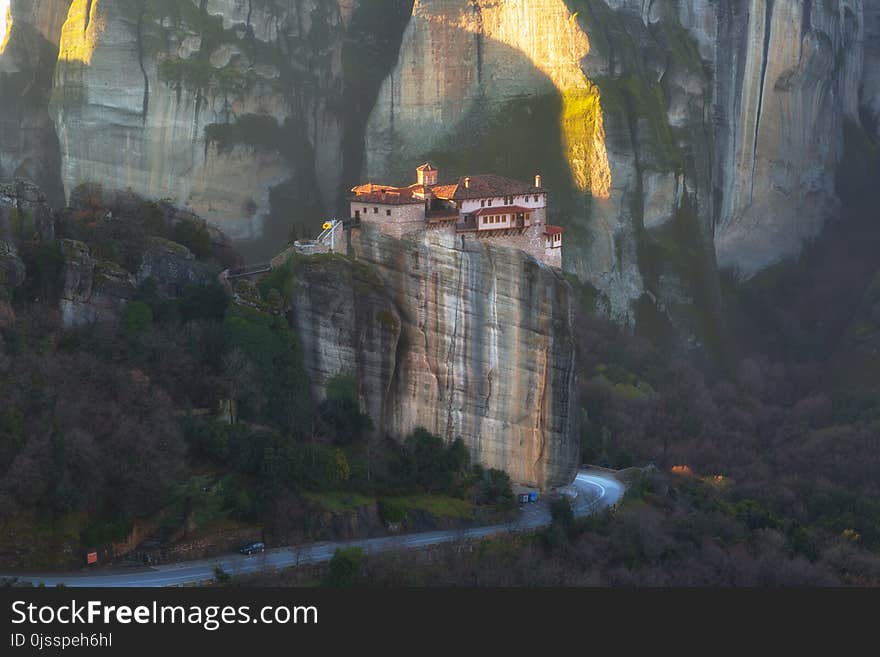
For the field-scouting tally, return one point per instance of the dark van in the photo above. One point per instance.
(253, 548)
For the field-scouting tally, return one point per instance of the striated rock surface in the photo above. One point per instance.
(676, 136)
(474, 344)
(28, 54)
(721, 124)
(789, 75)
(602, 100)
(232, 107)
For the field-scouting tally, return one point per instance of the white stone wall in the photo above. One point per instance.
(468, 207)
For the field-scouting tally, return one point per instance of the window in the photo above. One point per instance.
(536, 198)
(482, 204)
(375, 210)
(388, 212)
(490, 203)
(366, 210)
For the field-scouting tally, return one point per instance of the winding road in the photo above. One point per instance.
(592, 491)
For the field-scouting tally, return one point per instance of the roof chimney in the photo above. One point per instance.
(467, 183)
(539, 181)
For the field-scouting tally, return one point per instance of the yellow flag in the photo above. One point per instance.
(328, 225)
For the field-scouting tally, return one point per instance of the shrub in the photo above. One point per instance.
(138, 318)
(345, 567)
(392, 511)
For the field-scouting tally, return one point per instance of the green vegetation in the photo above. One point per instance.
(278, 392)
(439, 506)
(345, 568)
(138, 318)
(644, 106)
(339, 502)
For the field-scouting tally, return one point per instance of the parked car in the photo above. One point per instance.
(253, 548)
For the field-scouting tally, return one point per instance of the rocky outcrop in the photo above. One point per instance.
(472, 343)
(93, 290)
(98, 290)
(172, 265)
(24, 212)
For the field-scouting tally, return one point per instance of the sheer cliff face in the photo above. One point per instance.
(716, 139)
(474, 344)
(788, 79)
(28, 53)
(676, 136)
(222, 101)
(598, 100)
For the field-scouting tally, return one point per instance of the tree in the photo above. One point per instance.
(345, 567)
(340, 413)
(239, 376)
(138, 318)
(562, 513)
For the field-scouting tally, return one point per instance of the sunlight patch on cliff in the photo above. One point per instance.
(5, 23)
(583, 129)
(549, 35)
(81, 32)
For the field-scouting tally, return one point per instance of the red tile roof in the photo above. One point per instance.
(426, 167)
(553, 230)
(385, 195)
(485, 186)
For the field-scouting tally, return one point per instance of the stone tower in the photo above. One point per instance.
(426, 175)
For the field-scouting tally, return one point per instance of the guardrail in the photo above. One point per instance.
(251, 270)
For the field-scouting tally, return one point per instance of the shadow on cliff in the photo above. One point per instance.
(369, 55)
(517, 137)
(28, 141)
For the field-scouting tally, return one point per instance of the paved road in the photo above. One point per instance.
(595, 491)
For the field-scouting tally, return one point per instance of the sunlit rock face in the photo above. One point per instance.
(569, 89)
(458, 54)
(475, 344)
(720, 127)
(675, 136)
